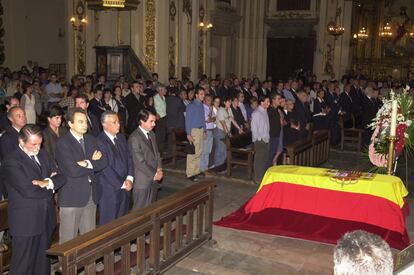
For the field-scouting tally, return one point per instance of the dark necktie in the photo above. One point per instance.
(150, 142)
(35, 161)
(82, 143)
(116, 142)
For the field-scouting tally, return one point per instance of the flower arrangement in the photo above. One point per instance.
(381, 124)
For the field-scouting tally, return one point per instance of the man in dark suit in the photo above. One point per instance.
(134, 104)
(147, 161)
(345, 103)
(357, 98)
(369, 105)
(4, 120)
(9, 140)
(116, 179)
(94, 127)
(96, 106)
(78, 159)
(175, 109)
(223, 92)
(30, 180)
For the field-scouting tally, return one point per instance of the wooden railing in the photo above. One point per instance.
(4, 247)
(163, 233)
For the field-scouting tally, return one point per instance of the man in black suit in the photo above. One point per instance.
(223, 92)
(116, 179)
(4, 120)
(346, 106)
(96, 106)
(370, 107)
(357, 98)
(147, 161)
(30, 180)
(134, 104)
(78, 159)
(9, 140)
(94, 127)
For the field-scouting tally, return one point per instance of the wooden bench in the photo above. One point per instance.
(5, 251)
(179, 141)
(5, 248)
(311, 151)
(320, 147)
(300, 152)
(351, 135)
(184, 218)
(240, 151)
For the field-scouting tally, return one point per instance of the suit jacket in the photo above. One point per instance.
(9, 141)
(119, 165)
(175, 109)
(4, 122)
(345, 103)
(223, 92)
(96, 107)
(31, 208)
(357, 98)
(370, 108)
(50, 139)
(146, 158)
(94, 125)
(133, 106)
(80, 181)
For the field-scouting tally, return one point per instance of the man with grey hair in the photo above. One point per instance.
(116, 179)
(31, 178)
(161, 109)
(362, 253)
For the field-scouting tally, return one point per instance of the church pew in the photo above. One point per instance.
(312, 151)
(240, 152)
(179, 141)
(5, 247)
(5, 252)
(184, 218)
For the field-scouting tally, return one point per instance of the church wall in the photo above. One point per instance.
(35, 30)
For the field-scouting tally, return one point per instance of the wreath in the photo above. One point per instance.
(378, 148)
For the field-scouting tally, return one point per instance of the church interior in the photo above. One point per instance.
(339, 75)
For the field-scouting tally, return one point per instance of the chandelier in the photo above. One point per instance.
(386, 31)
(362, 34)
(113, 3)
(334, 27)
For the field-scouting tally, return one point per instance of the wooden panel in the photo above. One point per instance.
(126, 259)
(200, 218)
(90, 269)
(190, 226)
(109, 260)
(179, 233)
(141, 254)
(167, 240)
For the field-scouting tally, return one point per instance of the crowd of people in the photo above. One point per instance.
(99, 145)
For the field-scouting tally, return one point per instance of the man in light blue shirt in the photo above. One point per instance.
(54, 90)
(195, 126)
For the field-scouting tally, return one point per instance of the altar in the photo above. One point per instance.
(320, 204)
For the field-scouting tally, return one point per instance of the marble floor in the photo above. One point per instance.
(242, 252)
